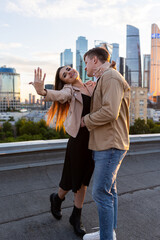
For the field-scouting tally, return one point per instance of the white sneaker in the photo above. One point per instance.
(92, 236)
(96, 236)
(114, 235)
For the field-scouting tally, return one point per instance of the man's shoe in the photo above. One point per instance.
(114, 235)
(96, 236)
(56, 205)
(92, 236)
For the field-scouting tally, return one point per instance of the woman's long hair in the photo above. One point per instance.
(57, 108)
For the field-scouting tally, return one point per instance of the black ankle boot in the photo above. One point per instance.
(56, 205)
(75, 221)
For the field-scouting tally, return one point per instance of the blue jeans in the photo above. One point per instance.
(107, 164)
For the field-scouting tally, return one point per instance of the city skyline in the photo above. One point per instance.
(34, 33)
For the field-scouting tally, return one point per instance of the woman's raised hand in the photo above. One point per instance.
(39, 82)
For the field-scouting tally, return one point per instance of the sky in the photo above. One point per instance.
(33, 33)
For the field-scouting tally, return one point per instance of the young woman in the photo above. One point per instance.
(71, 101)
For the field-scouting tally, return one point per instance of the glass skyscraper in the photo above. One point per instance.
(146, 70)
(154, 90)
(108, 46)
(133, 57)
(122, 64)
(66, 58)
(9, 89)
(81, 49)
(115, 54)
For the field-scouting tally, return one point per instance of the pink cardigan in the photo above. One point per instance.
(73, 96)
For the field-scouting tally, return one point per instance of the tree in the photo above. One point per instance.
(139, 127)
(7, 127)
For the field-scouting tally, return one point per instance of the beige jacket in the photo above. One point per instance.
(108, 121)
(73, 96)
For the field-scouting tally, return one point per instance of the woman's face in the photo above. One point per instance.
(68, 74)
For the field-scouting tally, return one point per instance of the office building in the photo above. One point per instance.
(115, 54)
(108, 46)
(138, 104)
(48, 104)
(122, 64)
(81, 49)
(9, 89)
(154, 89)
(30, 98)
(133, 57)
(112, 48)
(146, 70)
(66, 58)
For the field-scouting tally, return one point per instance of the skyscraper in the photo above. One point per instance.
(9, 89)
(108, 46)
(146, 70)
(133, 57)
(115, 54)
(154, 90)
(66, 58)
(122, 66)
(81, 48)
(46, 103)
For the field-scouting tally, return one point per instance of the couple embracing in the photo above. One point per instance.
(96, 116)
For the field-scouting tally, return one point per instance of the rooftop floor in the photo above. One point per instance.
(25, 207)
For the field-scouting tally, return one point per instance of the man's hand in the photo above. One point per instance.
(82, 122)
(39, 82)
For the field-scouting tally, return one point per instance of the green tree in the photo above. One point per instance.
(21, 122)
(29, 128)
(7, 127)
(139, 127)
(156, 129)
(150, 123)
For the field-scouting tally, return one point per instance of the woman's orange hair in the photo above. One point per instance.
(57, 108)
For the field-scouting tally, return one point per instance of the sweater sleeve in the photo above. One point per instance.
(112, 95)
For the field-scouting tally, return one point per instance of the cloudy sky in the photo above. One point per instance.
(34, 32)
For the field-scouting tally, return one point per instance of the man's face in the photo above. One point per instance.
(90, 65)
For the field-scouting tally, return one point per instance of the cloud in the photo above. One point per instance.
(5, 25)
(47, 61)
(97, 12)
(4, 46)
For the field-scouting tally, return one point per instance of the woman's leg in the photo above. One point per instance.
(56, 200)
(62, 193)
(75, 218)
(79, 197)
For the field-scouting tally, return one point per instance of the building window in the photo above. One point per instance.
(141, 102)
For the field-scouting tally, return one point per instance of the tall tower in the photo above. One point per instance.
(66, 58)
(146, 70)
(108, 46)
(122, 66)
(133, 57)
(81, 49)
(9, 89)
(115, 54)
(154, 90)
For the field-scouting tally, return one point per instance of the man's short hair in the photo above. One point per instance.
(101, 53)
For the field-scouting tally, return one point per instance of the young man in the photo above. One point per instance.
(108, 123)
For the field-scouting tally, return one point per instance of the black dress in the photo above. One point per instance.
(78, 165)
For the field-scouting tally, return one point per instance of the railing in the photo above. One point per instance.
(19, 155)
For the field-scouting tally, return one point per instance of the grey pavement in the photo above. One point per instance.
(25, 207)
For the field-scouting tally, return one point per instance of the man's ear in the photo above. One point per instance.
(95, 59)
